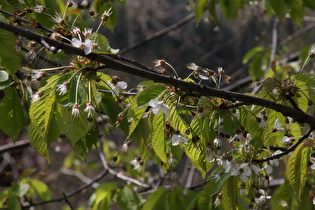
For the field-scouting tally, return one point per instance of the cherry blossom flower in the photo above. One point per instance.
(159, 106)
(171, 160)
(115, 88)
(63, 87)
(286, 140)
(159, 63)
(137, 163)
(278, 126)
(58, 19)
(36, 96)
(76, 30)
(87, 32)
(262, 199)
(39, 8)
(217, 142)
(106, 14)
(245, 172)
(217, 200)
(210, 155)
(312, 160)
(87, 45)
(229, 166)
(89, 109)
(178, 138)
(75, 110)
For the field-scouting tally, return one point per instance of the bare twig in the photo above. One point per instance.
(79, 175)
(159, 33)
(68, 195)
(119, 175)
(13, 146)
(285, 152)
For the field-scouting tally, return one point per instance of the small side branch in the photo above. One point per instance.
(290, 149)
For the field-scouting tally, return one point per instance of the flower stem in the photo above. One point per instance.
(77, 88)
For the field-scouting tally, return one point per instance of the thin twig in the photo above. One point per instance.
(159, 33)
(285, 152)
(68, 195)
(67, 201)
(119, 175)
(13, 146)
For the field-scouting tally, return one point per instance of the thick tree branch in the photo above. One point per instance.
(114, 63)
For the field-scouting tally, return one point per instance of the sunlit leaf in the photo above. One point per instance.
(40, 188)
(158, 136)
(229, 193)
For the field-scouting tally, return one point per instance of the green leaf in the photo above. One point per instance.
(7, 43)
(297, 12)
(11, 114)
(214, 184)
(200, 8)
(229, 193)
(197, 157)
(73, 127)
(230, 8)
(11, 67)
(10, 5)
(128, 199)
(43, 128)
(213, 11)
(307, 78)
(20, 189)
(86, 143)
(296, 171)
(175, 118)
(256, 70)
(3, 76)
(103, 43)
(158, 136)
(281, 195)
(281, 7)
(103, 195)
(6, 84)
(251, 54)
(40, 188)
(140, 102)
(310, 4)
(157, 200)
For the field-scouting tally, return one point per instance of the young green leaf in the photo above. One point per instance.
(157, 200)
(229, 193)
(158, 136)
(11, 114)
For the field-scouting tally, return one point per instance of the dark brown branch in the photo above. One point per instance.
(68, 195)
(159, 33)
(285, 152)
(115, 64)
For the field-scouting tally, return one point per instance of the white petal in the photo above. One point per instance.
(76, 43)
(156, 110)
(166, 109)
(203, 77)
(154, 103)
(123, 85)
(88, 45)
